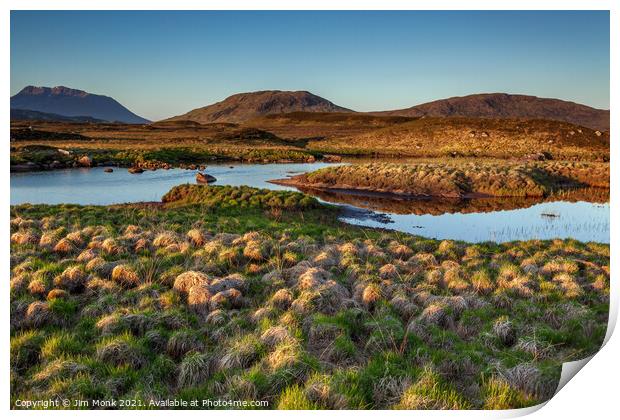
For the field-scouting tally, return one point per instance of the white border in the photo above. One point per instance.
(593, 394)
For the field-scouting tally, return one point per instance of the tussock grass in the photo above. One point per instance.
(458, 180)
(299, 309)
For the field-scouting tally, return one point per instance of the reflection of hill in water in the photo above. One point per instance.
(437, 206)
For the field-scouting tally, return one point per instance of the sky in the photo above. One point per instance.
(164, 63)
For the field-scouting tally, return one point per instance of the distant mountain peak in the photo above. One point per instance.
(243, 106)
(69, 102)
(56, 90)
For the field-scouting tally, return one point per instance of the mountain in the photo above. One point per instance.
(503, 105)
(244, 106)
(30, 115)
(72, 102)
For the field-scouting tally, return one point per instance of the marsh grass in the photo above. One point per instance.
(459, 180)
(310, 313)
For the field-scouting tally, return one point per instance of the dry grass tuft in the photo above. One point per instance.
(25, 238)
(38, 314)
(64, 246)
(185, 281)
(57, 294)
(165, 239)
(282, 299)
(274, 336)
(371, 295)
(72, 279)
(37, 287)
(125, 276)
(197, 237)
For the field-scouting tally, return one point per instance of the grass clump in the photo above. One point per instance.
(458, 180)
(294, 308)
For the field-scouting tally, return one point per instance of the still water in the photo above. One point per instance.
(478, 221)
(93, 186)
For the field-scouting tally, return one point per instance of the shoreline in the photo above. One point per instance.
(347, 189)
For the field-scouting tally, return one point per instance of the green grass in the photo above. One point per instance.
(346, 336)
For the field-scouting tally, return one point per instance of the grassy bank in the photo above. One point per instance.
(42, 157)
(232, 292)
(458, 180)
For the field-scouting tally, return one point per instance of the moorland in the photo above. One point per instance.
(245, 294)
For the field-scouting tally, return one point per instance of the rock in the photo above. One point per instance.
(484, 134)
(135, 170)
(598, 133)
(204, 178)
(108, 170)
(85, 161)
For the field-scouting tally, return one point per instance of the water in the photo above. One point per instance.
(93, 186)
(497, 220)
(581, 220)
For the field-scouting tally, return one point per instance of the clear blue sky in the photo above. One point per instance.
(160, 64)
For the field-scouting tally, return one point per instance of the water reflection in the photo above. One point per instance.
(583, 215)
(388, 203)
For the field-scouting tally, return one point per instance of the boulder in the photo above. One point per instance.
(135, 170)
(204, 178)
(108, 170)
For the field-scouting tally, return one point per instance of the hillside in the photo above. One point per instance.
(474, 137)
(244, 106)
(72, 102)
(502, 105)
(314, 125)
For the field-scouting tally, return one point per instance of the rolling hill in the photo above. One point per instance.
(244, 106)
(503, 105)
(69, 102)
